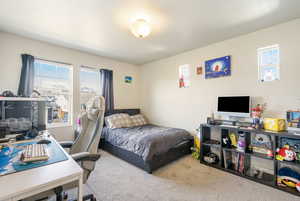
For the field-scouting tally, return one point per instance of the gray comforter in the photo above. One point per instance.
(147, 140)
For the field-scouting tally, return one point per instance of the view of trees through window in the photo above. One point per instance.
(54, 81)
(89, 84)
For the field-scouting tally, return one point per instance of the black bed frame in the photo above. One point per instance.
(158, 160)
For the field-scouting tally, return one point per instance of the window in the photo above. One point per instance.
(89, 84)
(268, 63)
(54, 81)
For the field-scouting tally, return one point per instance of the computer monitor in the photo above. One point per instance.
(234, 106)
(20, 115)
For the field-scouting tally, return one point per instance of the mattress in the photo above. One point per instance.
(146, 141)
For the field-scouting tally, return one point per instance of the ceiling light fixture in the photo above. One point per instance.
(140, 28)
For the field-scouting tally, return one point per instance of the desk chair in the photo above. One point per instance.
(84, 149)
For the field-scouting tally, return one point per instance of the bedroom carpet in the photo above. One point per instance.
(182, 180)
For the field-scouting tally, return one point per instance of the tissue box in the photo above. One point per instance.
(274, 124)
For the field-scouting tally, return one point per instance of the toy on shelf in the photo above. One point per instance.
(294, 144)
(298, 187)
(298, 156)
(267, 152)
(195, 153)
(262, 144)
(293, 119)
(255, 172)
(288, 177)
(274, 124)
(211, 158)
(226, 142)
(260, 173)
(229, 141)
(262, 140)
(285, 153)
(196, 149)
(233, 140)
(241, 145)
(256, 116)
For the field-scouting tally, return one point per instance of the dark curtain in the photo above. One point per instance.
(27, 76)
(106, 81)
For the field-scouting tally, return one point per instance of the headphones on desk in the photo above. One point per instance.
(8, 93)
(32, 133)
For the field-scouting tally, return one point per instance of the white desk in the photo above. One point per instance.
(21, 185)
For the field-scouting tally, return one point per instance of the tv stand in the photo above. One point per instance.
(249, 167)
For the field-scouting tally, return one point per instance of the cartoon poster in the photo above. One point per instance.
(199, 70)
(218, 67)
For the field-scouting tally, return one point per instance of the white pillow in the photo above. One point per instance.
(120, 120)
(138, 120)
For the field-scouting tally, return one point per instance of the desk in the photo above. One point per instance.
(20, 185)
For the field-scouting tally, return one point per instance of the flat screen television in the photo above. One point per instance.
(236, 106)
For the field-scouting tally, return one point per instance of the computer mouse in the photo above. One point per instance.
(44, 141)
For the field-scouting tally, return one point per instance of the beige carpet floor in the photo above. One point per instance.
(182, 180)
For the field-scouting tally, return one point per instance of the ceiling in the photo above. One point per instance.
(102, 26)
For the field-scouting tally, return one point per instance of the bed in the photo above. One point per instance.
(148, 147)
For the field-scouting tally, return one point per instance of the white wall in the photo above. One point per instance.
(161, 99)
(12, 46)
(165, 103)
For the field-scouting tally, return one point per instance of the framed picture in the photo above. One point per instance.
(128, 79)
(184, 76)
(218, 67)
(268, 63)
(199, 70)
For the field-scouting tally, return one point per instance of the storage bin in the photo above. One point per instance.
(274, 124)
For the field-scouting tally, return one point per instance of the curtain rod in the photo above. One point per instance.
(92, 68)
(53, 61)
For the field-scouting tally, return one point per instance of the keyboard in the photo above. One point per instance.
(34, 153)
(231, 126)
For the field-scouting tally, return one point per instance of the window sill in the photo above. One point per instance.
(58, 125)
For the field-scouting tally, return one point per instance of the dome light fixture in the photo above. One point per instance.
(140, 28)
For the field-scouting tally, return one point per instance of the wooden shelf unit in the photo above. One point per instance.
(205, 136)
